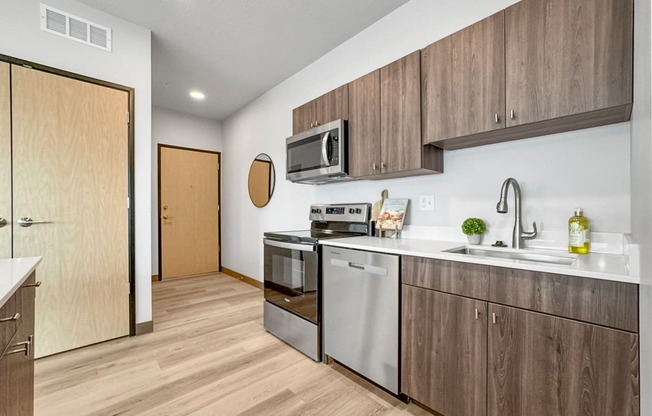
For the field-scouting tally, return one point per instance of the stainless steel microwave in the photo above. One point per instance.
(319, 155)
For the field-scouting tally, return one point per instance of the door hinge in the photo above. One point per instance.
(128, 117)
(128, 288)
(218, 166)
(128, 203)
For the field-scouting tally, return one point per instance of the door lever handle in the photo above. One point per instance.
(3, 222)
(28, 222)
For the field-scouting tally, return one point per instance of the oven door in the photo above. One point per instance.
(292, 277)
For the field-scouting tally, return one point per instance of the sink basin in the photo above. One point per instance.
(523, 255)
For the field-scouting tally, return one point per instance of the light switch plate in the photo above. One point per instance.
(426, 202)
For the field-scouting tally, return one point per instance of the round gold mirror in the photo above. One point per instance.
(261, 180)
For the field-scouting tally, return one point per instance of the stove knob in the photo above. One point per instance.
(351, 211)
(318, 211)
(313, 211)
(358, 211)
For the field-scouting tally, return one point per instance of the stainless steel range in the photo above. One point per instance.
(293, 273)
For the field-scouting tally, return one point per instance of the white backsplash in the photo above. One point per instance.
(609, 243)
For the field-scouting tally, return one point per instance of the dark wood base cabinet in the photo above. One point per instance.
(543, 365)
(17, 355)
(475, 349)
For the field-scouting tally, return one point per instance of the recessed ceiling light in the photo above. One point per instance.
(197, 95)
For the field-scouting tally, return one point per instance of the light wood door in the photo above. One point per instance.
(542, 365)
(189, 212)
(5, 162)
(400, 118)
(566, 57)
(444, 351)
(364, 125)
(463, 82)
(70, 167)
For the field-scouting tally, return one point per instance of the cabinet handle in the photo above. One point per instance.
(316, 123)
(11, 318)
(37, 284)
(511, 114)
(382, 165)
(496, 118)
(25, 347)
(373, 166)
(493, 317)
(477, 313)
(312, 124)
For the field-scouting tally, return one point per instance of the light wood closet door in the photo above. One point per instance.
(70, 154)
(5, 162)
(189, 212)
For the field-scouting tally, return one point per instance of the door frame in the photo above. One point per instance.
(158, 201)
(130, 175)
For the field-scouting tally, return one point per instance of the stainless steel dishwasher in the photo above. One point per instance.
(361, 312)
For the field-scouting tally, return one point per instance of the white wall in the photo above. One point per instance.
(129, 64)
(588, 169)
(641, 173)
(177, 129)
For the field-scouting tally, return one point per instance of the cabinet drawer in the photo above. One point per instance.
(8, 328)
(602, 302)
(464, 279)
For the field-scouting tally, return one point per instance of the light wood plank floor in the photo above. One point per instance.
(209, 355)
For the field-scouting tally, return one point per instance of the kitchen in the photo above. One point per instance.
(472, 178)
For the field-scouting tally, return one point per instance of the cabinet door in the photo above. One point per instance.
(5, 162)
(332, 105)
(566, 57)
(364, 125)
(444, 359)
(303, 118)
(463, 82)
(400, 114)
(543, 365)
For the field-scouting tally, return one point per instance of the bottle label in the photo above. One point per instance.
(576, 235)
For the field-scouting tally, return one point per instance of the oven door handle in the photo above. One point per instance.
(290, 246)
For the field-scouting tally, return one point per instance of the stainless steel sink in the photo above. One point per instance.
(516, 255)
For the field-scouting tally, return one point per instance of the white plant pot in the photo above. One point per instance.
(474, 238)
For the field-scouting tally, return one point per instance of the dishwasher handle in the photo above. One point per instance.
(353, 265)
(367, 268)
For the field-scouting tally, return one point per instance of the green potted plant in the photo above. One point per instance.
(474, 228)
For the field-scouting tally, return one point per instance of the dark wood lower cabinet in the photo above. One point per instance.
(17, 357)
(444, 344)
(543, 365)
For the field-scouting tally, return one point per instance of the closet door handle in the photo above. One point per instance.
(28, 222)
(3, 222)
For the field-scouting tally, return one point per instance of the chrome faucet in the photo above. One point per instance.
(518, 234)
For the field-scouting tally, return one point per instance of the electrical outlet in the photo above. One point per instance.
(426, 203)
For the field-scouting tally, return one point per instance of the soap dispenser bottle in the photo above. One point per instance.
(579, 234)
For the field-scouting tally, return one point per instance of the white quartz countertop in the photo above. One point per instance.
(13, 273)
(595, 265)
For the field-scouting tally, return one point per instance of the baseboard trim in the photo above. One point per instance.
(248, 280)
(144, 328)
(155, 278)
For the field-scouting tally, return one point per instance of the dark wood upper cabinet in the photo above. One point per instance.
(444, 351)
(400, 114)
(567, 57)
(463, 82)
(364, 125)
(303, 117)
(331, 106)
(541, 365)
(385, 124)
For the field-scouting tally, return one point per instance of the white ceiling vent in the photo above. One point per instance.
(75, 28)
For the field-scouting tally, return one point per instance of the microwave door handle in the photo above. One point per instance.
(324, 149)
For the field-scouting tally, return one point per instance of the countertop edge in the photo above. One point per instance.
(20, 269)
(441, 255)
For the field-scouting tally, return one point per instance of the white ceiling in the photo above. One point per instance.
(235, 50)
